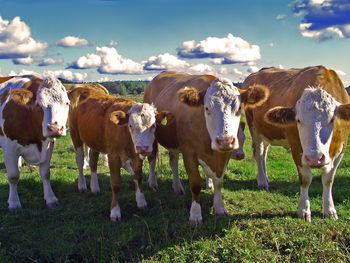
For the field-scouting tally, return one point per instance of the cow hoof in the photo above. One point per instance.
(95, 191)
(305, 215)
(178, 190)
(114, 219)
(331, 214)
(53, 205)
(263, 187)
(14, 206)
(221, 212)
(196, 221)
(82, 189)
(153, 186)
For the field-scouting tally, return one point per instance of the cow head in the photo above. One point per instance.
(52, 97)
(314, 115)
(222, 106)
(142, 119)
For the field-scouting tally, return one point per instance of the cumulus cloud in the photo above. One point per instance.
(72, 41)
(165, 61)
(322, 19)
(66, 74)
(108, 60)
(16, 40)
(23, 61)
(340, 73)
(50, 61)
(112, 43)
(281, 16)
(227, 50)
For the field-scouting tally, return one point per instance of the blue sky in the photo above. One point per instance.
(100, 40)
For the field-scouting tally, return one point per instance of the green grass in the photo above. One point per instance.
(262, 226)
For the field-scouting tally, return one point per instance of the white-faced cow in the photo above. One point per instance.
(33, 112)
(119, 127)
(307, 110)
(207, 113)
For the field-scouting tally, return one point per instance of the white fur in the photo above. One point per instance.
(174, 165)
(140, 197)
(142, 125)
(304, 210)
(222, 111)
(79, 158)
(115, 213)
(94, 185)
(196, 214)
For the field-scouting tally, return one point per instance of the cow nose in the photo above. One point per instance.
(142, 149)
(225, 142)
(315, 159)
(238, 156)
(55, 130)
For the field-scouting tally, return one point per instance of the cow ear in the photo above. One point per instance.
(254, 96)
(343, 112)
(164, 118)
(119, 117)
(191, 97)
(280, 116)
(22, 97)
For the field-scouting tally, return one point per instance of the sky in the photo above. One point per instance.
(107, 40)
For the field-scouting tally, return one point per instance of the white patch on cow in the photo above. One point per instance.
(260, 150)
(195, 214)
(314, 115)
(142, 125)
(222, 110)
(79, 158)
(174, 165)
(94, 185)
(304, 210)
(53, 99)
(140, 197)
(217, 183)
(152, 179)
(115, 213)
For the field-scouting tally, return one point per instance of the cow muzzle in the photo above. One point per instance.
(143, 150)
(225, 143)
(315, 160)
(55, 130)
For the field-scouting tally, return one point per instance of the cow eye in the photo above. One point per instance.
(207, 110)
(153, 126)
(130, 126)
(298, 121)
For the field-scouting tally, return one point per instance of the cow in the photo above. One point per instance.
(119, 127)
(207, 112)
(69, 87)
(33, 113)
(307, 111)
(237, 154)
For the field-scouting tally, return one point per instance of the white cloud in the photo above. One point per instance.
(23, 61)
(112, 43)
(50, 61)
(271, 44)
(72, 41)
(88, 61)
(281, 16)
(66, 74)
(340, 73)
(227, 50)
(16, 40)
(202, 69)
(252, 69)
(165, 61)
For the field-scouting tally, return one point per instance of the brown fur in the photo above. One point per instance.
(191, 96)
(90, 123)
(280, 116)
(254, 96)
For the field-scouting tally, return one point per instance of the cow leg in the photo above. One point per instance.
(209, 183)
(328, 208)
(191, 166)
(86, 156)
(140, 197)
(11, 163)
(305, 179)
(116, 184)
(104, 159)
(44, 170)
(260, 150)
(93, 160)
(152, 179)
(174, 164)
(79, 158)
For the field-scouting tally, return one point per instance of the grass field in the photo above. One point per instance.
(262, 226)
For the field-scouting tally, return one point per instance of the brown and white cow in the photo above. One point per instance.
(207, 113)
(119, 127)
(307, 110)
(32, 113)
(69, 87)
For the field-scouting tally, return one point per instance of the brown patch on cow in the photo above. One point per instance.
(254, 95)
(191, 96)
(280, 117)
(1, 133)
(4, 79)
(166, 134)
(343, 112)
